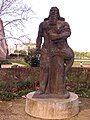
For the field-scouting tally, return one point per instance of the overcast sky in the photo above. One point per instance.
(75, 12)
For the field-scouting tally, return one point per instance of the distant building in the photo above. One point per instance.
(25, 46)
(3, 44)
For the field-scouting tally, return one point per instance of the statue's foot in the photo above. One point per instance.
(41, 94)
(66, 95)
(38, 93)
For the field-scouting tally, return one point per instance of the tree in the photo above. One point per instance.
(88, 54)
(82, 55)
(16, 51)
(22, 52)
(14, 14)
(31, 52)
(32, 59)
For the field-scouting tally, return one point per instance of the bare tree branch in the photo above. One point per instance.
(15, 20)
(18, 38)
(14, 13)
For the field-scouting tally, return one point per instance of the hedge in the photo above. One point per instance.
(13, 80)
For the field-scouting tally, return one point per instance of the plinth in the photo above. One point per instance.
(51, 108)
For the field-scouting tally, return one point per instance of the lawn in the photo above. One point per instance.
(86, 63)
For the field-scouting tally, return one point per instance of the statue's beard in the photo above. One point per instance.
(53, 20)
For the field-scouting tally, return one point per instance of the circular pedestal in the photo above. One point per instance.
(52, 108)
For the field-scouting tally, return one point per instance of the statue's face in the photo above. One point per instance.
(54, 13)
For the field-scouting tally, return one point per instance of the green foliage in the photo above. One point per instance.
(19, 85)
(19, 62)
(7, 96)
(82, 54)
(16, 51)
(27, 59)
(5, 62)
(23, 92)
(16, 82)
(2, 85)
(26, 83)
(31, 52)
(32, 59)
(22, 52)
(83, 92)
(35, 62)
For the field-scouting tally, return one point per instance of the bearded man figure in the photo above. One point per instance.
(56, 57)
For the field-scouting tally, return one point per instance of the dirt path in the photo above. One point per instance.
(15, 110)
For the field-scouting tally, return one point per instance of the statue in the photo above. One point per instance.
(56, 57)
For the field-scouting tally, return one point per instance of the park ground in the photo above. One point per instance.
(15, 110)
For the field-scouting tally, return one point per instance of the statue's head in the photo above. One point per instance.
(54, 14)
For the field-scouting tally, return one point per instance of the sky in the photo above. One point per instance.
(75, 12)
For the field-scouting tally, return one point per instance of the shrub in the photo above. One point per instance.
(35, 62)
(7, 96)
(5, 62)
(23, 92)
(83, 92)
(14, 80)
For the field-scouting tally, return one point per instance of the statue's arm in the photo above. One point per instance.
(39, 37)
(62, 33)
(66, 31)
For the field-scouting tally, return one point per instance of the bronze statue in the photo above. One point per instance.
(56, 57)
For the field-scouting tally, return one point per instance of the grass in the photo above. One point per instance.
(85, 63)
(20, 62)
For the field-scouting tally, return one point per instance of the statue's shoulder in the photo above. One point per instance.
(62, 22)
(43, 24)
(46, 22)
